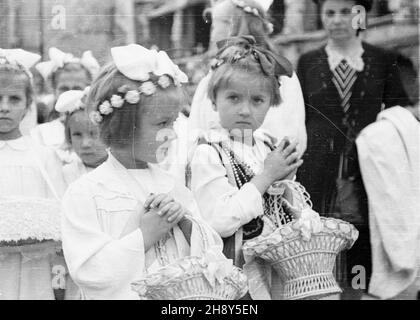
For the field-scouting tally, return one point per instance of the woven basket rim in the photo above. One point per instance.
(295, 236)
(163, 286)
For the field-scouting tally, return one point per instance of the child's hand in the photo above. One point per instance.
(166, 207)
(282, 162)
(153, 228)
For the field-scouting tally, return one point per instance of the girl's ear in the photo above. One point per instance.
(213, 106)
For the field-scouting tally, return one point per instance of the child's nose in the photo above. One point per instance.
(245, 109)
(87, 142)
(4, 105)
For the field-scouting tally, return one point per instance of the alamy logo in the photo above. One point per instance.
(58, 21)
(359, 20)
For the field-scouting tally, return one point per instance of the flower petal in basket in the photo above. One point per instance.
(191, 278)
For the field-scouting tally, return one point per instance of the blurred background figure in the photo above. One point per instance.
(346, 83)
(389, 154)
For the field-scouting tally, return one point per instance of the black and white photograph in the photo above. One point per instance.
(225, 151)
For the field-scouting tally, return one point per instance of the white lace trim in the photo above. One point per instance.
(353, 58)
(24, 218)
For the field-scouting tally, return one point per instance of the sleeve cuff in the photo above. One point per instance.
(133, 241)
(251, 203)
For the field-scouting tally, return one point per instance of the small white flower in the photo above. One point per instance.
(248, 9)
(96, 117)
(344, 227)
(105, 108)
(331, 224)
(164, 81)
(148, 88)
(117, 101)
(132, 97)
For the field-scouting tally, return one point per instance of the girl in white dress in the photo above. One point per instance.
(127, 217)
(236, 162)
(65, 72)
(27, 272)
(81, 135)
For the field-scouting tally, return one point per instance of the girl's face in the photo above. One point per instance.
(85, 141)
(71, 80)
(337, 18)
(243, 103)
(154, 130)
(13, 103)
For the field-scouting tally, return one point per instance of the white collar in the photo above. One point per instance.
(114, 176)
(19, 144)
(353, 58)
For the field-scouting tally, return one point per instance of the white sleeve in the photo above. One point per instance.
(97, 262)
(222, 205)
(288, 118)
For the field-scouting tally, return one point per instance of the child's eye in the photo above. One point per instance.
(346, 12)
(233, 98)
(163, 123)
(76, 134)
(330, 13)
(15, 99)
(258, 100)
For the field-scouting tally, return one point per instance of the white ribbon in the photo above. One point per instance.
(136, 63)
(70, 101)
(21, 57)
(59, 58)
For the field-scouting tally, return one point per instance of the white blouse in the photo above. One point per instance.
(225, 207)
(20, 162)
(103, 245)
(74, 170)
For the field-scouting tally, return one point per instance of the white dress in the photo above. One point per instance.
(27, 276)
(74, 170)
(51, 134)
(103, 245)
(286, 119)
(227, 208)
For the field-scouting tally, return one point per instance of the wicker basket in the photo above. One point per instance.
(191, 283)
(305, 266)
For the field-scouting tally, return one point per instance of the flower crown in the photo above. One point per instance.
(254, 11)
(153, 69)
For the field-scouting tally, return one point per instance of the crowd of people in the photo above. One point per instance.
(141, 184)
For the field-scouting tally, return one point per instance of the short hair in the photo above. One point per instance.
(365, 3)
(17, 71)
(223, 74)
(67, 133)
(119, 127)
(69, 67)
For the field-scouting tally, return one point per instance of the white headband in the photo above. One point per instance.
(71, 101)
(59, 58)
(19, 58)
(154, 69)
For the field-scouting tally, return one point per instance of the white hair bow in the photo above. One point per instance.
(19, 57)
(137, 62)
(70, 101)
(59, 58)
